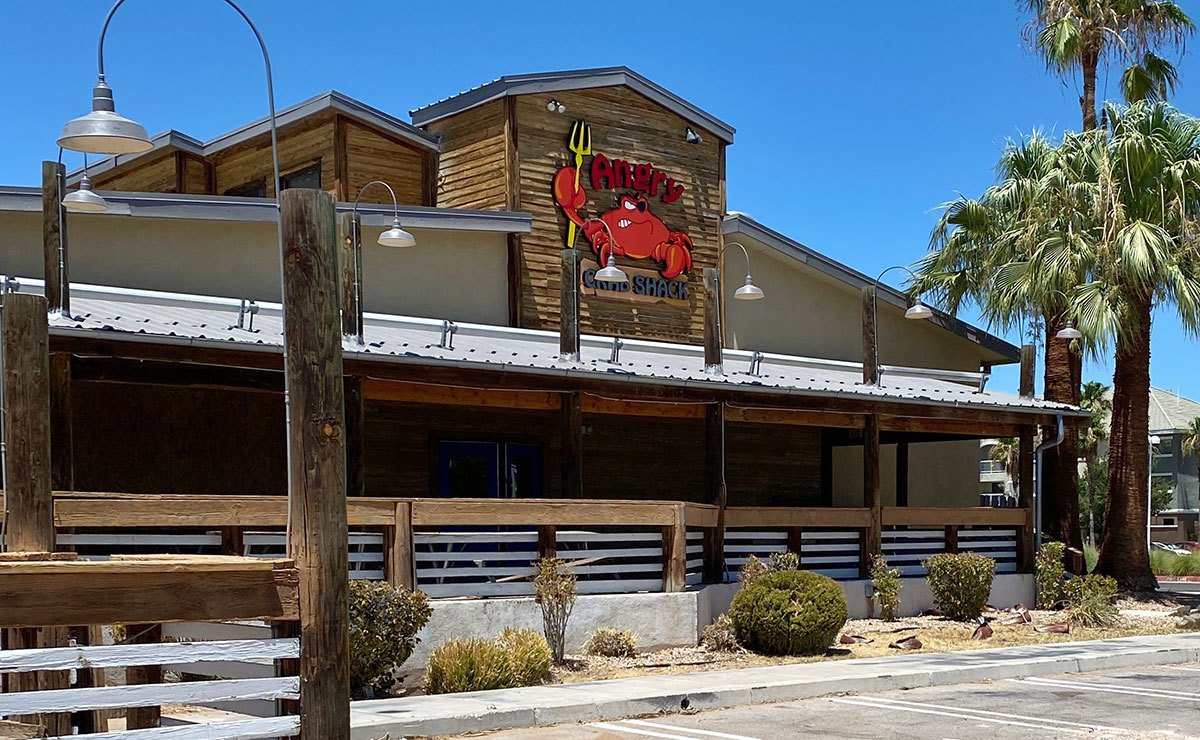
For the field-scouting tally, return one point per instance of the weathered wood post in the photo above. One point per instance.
(674, 547)
(571, 431)
(873, 537)
(347, 263)
(713, 360)
(870, 347)
(1025, 484)
(714, 468)
(54, 237)
(568, 314)
(317, 530)
(139, 718)
(398, 548)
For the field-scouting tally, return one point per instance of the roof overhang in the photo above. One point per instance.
(740, 223)
(578, 79)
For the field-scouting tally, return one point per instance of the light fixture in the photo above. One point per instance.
(84, 200)
(692, 137)
(918, 311)
(396, 237)
(1069, 332)
(611, 273)
(555, 107)
(393, 237)
(103, 131)
(749, 291)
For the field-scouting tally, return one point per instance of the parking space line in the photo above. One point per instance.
(987, 712)
(635, 731)
(693, 730)
(1113, 688)
(864, 702)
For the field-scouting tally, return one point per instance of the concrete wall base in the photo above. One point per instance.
(660, 620)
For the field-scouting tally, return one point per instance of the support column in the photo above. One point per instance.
(398, 549)
(572, 445)
(902, 474)
(54, 238)
(873, 537)
(346, 266)
(317, 532)
(356, 475)
(1025, 483)
(568, 318)
(717, 494)
(713, 361)
(141, 718)
(674, 547)
(870, 350)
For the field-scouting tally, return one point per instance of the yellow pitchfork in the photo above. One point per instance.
(580, 143)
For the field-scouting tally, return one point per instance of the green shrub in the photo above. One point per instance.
(528, 654)
(384, 622)
(1090, 556)
(555, 585)
(960, 582)
(1049, 574)
(1165, 564)
(1091, 601)
(612, 643)
(887, 587)
(792, 612)
(468, 665)
(752, 570)
(784, 560)
(720, 636)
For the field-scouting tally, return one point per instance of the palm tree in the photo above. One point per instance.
(1013, 252)
(1083, 35)
(1191, 444)
(1007, 452)
(1095, 399)
(1145, 256)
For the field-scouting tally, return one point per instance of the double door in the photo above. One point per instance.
(489, 470)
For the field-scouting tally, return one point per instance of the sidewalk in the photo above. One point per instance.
(452, 714)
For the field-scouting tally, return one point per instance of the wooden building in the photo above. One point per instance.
(642, 456)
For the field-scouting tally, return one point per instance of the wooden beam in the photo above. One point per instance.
(347, 264)
(747, 517)
(180, 172)
(979, 429)
(700, 515)
(1028, 361)
(138, 718)
(870, 346)
(568, 314)
(398, 547)
(341, 162)
(873, 537)
(935, 516)
(902, 474)
(1025, 494)
(799, 417)
(717, 494)
(391, 390)
(317, 528)
(355, 434)
(77, 509)
(712, 321)
(62, 454)
(178, 374)
(54, 238)
(600, 405)
(674, 547)
(499, 512)
(30, 508)
(571, 430)
(162, 589)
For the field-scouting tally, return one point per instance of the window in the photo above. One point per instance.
(489, 469)
(309, 177)
(253, 189)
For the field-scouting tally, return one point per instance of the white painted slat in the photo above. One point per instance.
(832, 548)
(490, 556)
(225, 669)
(909, 533)
(756, 549)
(366, 575)
(148, 695)
(112, 656)
(140, 539)
(280, 539)
(241, 729)
(849, 534)
(632, 552)
(805, 561)
(608, 536)
(456, 538)
(446, 590)
(601, 569)
(470, 572)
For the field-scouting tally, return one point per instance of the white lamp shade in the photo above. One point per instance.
(104, 132)
(918, 311)
(1069, 332)
(84, 200)
(396, 237)
(749, 291)
(611, 273)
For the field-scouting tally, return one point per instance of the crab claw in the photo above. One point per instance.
(675, 255)
(568, 197)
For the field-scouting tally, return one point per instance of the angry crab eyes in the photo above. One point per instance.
(628, 205)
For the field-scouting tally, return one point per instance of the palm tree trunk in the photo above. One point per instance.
(1060, 506)
(1091, 486)
(1123, 553)
(1090, 60)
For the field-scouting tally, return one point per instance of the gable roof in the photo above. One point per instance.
(331, 100)
(1171, 412)
(740, 223)
(575, 79)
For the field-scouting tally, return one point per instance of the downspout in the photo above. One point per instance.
(1037, 499)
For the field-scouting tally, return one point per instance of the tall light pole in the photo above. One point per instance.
(918, 311)
(1153, 439)
(393, 237)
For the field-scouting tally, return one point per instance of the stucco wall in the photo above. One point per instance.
(939, 474)
(805, 312)
(449, 274)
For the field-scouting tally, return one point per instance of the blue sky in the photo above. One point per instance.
(851, 126)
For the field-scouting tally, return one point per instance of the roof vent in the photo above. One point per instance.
(246, 311)
(755, 364)
(614, 357)
(448, 329)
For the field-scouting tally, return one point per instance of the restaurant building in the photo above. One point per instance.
(691, 430)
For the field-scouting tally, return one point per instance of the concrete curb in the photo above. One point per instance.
(598, 700)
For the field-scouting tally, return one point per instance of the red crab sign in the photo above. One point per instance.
(636, 233)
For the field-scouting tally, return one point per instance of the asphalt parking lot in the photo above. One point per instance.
(1147, 702)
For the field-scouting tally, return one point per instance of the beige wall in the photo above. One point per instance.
(939, 474)
(449, 274)
(805, 312)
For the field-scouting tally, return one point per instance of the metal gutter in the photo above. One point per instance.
(1037, 499)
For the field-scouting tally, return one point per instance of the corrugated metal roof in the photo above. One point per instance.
(205, 320)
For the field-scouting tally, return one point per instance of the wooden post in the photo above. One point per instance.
(54, 237)
(317, 532)
(718, 494)
(140, 718)
(347, 262)
(232, 541)
(795, 539)
(873, 537)
(30, 523)
(951, 538)
(398, 549)
(572, 445)
(356, 474)
(713, 361)
(547, 541)
(1025, 535)
(870, 347)
(62, 453)
(568, 315)
(902, 474)
(674, 547)
(95, 720)
(1028, 360)
(287, 667)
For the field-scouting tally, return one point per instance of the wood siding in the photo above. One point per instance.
(773, 465)
(155, 175)
(370, 155)
(624, 125)
(300, 145)
(197, 178)
(471, 169)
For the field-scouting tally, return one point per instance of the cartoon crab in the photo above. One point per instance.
(636, 232)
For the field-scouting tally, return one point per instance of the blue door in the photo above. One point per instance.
(489, 470)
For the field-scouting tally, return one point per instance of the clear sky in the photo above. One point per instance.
(854, 121)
